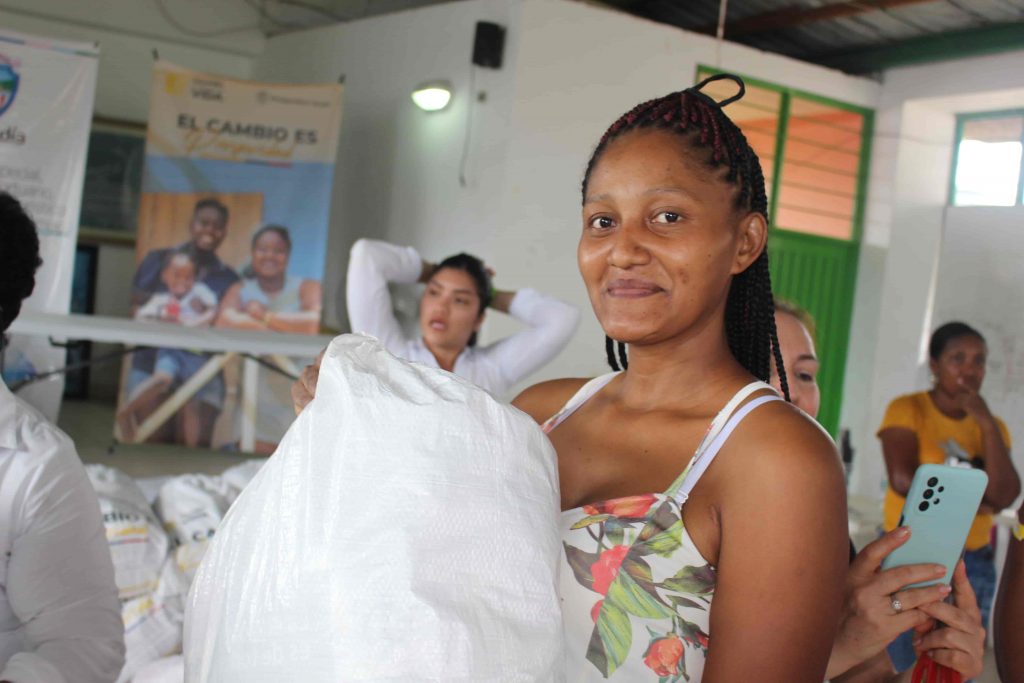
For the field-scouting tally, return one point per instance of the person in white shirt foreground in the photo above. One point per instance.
(60, 621)
(452, 309)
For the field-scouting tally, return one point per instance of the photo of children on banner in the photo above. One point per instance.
(231, 271)
(185, 302)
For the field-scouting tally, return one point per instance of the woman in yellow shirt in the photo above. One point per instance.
(950, 424)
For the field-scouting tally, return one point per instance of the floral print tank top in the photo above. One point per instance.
(636, 592)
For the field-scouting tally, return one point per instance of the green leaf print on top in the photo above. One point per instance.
(611, 640)
(625, 536)
(624, 592)
(692, 580)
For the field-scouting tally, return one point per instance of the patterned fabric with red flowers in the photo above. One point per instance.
(636, 595)
(649, 587)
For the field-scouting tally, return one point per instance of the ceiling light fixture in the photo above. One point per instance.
(432, 96)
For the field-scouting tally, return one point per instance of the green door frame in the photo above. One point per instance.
(847, 252)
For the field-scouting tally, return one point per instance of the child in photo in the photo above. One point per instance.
(186, 301)
(189, 303)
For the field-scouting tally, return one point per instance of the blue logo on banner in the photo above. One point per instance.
(8, 85)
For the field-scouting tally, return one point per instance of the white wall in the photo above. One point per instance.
(397, 176)
(987, 243)
(956, 78)
(570, 70)
(907, 195)
(129, 30)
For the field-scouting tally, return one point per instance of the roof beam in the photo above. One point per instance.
(974, 42)
(789, 17)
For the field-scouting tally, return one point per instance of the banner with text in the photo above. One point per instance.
(46, 99)
(232, 233)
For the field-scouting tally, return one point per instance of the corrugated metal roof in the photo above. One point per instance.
(890, 29)
(859, 36)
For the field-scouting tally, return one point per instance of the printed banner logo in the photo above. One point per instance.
(175, 84)
(8, 84)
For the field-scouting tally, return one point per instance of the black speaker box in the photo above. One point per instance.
(488, 44)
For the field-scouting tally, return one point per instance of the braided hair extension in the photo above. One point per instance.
(750, 312)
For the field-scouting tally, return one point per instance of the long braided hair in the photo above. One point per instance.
(749, 311)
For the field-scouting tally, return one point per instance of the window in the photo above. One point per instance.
(757, 115)
(814, 153)
(817, 185)
(818, 190)
(988, 159)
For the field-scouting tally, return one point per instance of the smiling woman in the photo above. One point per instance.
(268, 298)
(666, 467)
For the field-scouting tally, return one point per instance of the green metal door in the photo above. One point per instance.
(814, 152)
(820, 275)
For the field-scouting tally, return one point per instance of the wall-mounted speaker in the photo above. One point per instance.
(488, 44)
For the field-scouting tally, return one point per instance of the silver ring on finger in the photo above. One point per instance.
(897, 606)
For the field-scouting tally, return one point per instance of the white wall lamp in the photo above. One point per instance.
(433, 95)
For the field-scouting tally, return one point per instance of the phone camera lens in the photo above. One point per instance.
(928, 494)
(933, 481)
(941, 489)
(937, 501)
(923, 506)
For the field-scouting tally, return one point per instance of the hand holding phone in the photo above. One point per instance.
(940, 508)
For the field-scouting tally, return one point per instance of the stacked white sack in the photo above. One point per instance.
(167, 670)
(152, 629)
(192, 506)
(238, 477)
(406, 529)
(138, 544)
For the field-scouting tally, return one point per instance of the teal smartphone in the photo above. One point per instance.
(939, 509)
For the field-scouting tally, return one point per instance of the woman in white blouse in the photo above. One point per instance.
(60, 621)
(457, 294)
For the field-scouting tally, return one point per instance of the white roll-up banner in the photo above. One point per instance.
(46, 104)
(232, 233)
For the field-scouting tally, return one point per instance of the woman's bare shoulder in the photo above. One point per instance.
(544, 399)
(779, 441)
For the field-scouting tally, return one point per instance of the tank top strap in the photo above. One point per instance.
(718, 433)
(585, 393)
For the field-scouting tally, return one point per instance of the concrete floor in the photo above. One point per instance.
(91, 424)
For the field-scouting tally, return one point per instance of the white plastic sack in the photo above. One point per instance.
(150, 486)
(138, 544)
(238, 477)
(152, 626)
(153, 623)
(167, 670)
(405, 530)
(192, 506)
(176, 578)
